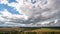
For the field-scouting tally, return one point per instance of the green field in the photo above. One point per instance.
(30, 30)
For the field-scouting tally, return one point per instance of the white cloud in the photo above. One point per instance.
(3, 1)
(7, 17)
(1, 18)
(42, 14)
(6, 13)
(50, 11)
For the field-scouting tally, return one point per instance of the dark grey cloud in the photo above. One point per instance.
(50, 11)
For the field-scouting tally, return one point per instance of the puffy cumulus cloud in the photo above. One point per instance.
(40, 13)
(3, 1)
(16, 5)
(11, 19)
(14, 16)
(13, 4)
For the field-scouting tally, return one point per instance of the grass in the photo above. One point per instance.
(29, 30)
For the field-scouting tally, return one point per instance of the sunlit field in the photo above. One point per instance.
(30, 30)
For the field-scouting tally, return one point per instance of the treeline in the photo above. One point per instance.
(16, 32)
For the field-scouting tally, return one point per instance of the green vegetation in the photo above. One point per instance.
(30, 30)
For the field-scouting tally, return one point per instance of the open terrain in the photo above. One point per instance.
(30, 30)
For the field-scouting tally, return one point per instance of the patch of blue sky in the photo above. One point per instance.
(10, 9)
(10, 1)
(2, 7)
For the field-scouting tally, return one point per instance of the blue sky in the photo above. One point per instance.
(10, 9)
(10, 1)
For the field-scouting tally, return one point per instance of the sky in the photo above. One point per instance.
(29, 13)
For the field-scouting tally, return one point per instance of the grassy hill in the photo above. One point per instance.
(30, 30)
